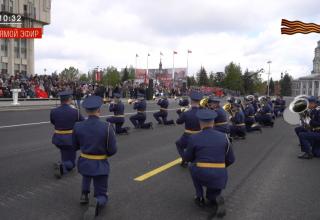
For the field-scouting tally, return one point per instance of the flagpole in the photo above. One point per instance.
(173, 72)
(145, 78)
(187, 68)
(135, 70)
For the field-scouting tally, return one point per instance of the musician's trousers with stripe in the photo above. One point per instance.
(163, 115)
(310, 142)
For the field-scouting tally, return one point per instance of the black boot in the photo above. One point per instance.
(199, 201)
(221, 209)
(58, 170)
(84, 199)
(306, 156)
(184, 164)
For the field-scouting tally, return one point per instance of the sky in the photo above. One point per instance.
(86, 34)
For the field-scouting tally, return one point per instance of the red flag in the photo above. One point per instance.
(40, 93)
(189, 51)
(175, 52)
(98, 76)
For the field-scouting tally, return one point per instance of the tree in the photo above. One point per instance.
(211, 79)
(111, 76)
(132, 73)
(285, 85)
(202, 77)
(248, 83)
(271, 87)
(70, 74)
(84, 78)
(219, 78)
(233, 79)
(125, 75)
(191, 81)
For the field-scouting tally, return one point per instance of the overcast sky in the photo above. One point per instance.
(86, 34)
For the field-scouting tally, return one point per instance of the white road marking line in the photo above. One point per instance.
(47, 122)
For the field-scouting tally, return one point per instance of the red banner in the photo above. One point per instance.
(27, 33)
(40, 93)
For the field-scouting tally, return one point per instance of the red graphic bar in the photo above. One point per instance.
(28, 33)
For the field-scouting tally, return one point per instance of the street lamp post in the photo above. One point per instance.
(269, 62)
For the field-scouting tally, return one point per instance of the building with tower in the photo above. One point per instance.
(309, 85)
(17, 55)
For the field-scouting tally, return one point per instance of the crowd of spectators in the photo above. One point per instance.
(51, 85)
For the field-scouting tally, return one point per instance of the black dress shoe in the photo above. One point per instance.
(199, 201)
(84, 199)
(221, 209)
(58, 170)
(98, 208)
(306, 156)
(184, 164)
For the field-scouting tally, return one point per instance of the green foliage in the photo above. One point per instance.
(248, 83)
(233, 79)
(111, 76)
(202, 77)
(125, 75)
(285, 85)
(271, 87)
(191, 81)
(84, 78)
(70, 74)
(132, 72)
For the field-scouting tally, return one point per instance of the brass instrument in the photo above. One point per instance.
(106, 100)
(300, 107)
(228, 108)
(249, 98)
(132, 101)
(204, 102)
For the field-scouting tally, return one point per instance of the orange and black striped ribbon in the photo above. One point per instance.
(295, 27)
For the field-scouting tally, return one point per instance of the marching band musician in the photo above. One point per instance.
(184, 103)
(221, 121)
(117, 107)
(138, 120)
(255, 103)
(237, 129)
(191, 122)
(97, 141)
(309, 136)
(264, 114)
(277, 106)
(249, 117)
(163, 113)
(282, 104)
(270, 103)
(210, 153)
(63, 118)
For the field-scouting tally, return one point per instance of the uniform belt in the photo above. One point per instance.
(93, 157)
(63, 131)
(191, 132)
(119, 116)
(221, 123)
(317, 128)
(140, 111)
(251, 116)
(164, 109)
(268, 113)
(242, 124)
(211, 165)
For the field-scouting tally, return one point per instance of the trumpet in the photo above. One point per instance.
(132, 101)
(204, 102)
(228, 108)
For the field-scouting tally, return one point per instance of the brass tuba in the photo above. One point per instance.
(300, 107)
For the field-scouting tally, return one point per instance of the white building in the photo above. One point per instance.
(309, 85)
(17, 55)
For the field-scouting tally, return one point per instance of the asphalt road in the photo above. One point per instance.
(266, 182)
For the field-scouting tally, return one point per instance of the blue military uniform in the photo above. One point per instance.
(264, 117)
(119, 118)
(238, 129)
(97, 142)
(277, 107)
(64, 118)
(138, 120)
(221, 121)
(184, 103)
(250, 119)
(209, 153)
(191, 122)
(310, 138)
(163, 113)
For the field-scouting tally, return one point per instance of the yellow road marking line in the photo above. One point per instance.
(158, 170)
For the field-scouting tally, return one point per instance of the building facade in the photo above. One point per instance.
(17, 55)
(309, 85)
